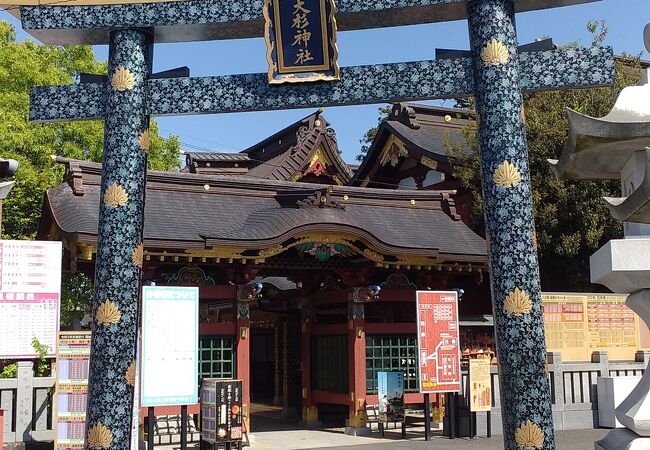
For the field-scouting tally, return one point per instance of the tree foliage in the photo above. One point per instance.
(571, 219)
(366, 140)
(24, 65)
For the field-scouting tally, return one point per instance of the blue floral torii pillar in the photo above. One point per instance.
(516, 293)
(119, 242)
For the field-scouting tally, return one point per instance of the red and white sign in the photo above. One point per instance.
(30, 296)
(438, 342)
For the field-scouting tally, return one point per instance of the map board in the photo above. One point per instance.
(72, 366)
(578, 324)
(30, 292)
(480, 385)
(170, 341)
(438, 342)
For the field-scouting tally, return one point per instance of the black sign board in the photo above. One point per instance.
(221, 411)
(301, 40)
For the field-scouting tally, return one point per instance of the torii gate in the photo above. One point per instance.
(496, 74)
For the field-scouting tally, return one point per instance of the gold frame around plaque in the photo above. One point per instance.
(275, 77)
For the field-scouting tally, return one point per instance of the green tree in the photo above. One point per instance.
(571, 219)
(366, 140)
(24, 65)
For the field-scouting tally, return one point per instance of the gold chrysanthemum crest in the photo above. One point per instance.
(529, 436)
(123, 79)
(495, 53)
(138, 255)
(144, 140)
(518, 303)
(507, 175)
(99, 437)
(116, 196)
(129, 376)
(108, 313)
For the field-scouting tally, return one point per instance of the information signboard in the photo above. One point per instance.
(221, 411)
(170, 340)
(480, 385)
(438, 342)
(578, 324)
(72, 366)
(30, 292)
(390, 388)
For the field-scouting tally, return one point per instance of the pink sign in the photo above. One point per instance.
(30, 296)
(438, 342)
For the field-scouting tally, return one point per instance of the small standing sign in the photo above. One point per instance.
(301, 40)
(221, 411)
(390, 389)
(438, 342)
(480, 385)
(170, 340)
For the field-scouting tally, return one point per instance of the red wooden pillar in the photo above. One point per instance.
(243, 354)
(356, 366)
(309, 408)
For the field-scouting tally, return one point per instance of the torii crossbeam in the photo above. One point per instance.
(495, 74)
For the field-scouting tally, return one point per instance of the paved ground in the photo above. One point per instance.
(280, 436)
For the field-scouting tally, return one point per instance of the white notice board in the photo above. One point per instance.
(170, 341)
(30, 297)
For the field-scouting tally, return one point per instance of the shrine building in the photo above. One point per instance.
(317, 236)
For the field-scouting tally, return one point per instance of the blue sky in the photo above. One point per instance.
(235, 132)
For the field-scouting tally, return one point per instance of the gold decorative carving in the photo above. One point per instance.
(373, 255)
(495, 53)
(428, 162)
(393, 151)
(272, 251)
(86, 252)
(529, 436)
(138, 255)
(115, 196)
(129, 376)
(219, 252)
(108, 314)
(99, 437)
(507, 175)
(123, 79)
(144, 140)
(517, 303)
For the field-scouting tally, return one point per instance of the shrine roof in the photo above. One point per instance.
(90, 21)
(424, 129)
(249, 213)
(285, 155)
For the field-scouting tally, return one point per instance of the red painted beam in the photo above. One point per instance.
(391, 328)
(218, 292)
(332, 398)
(217, 329)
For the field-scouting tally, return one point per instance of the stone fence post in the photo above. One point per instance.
(602, 359)
(24, 400)
(642, 356)
(554, 362)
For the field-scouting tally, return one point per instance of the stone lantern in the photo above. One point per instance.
(617, 146)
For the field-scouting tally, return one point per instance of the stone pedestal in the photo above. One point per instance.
(622, 439)
(623, 265)
(611, 392)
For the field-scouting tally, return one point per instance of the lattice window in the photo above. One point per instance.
(385, 353)
(217, 357)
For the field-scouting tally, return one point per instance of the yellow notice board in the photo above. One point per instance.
(480, 385)
(578, 324)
